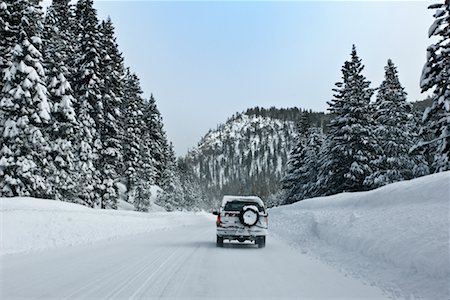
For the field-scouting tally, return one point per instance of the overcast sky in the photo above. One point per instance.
(204, 61)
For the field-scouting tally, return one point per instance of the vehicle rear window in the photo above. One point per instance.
(238, 205)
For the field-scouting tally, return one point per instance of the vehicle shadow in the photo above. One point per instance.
(195, 244)
(212, 244)
(235, 245)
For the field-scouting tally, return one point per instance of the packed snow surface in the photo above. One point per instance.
(396, 237)
(178, 263)
(29, 224)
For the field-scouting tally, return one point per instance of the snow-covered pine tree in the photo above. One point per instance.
(10, 18)
(157, 138)
(193, 196)
(422, 160)
(351, 147)
(169, 170)
(301, 173)
(89, 107)
(59, 21)
(172, 195)
(171, 182)
(147, 172)
(11, 12)
(416, 126)
(72, 30)
(313, 148)
(4, 49)
(393, 116)
(292, 182)
(143, 195)
(64, 127)
(8, 39)
(436, 77)
(26, 110)
(112, 74)
(133, 125)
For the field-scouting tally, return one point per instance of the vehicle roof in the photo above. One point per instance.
(228, 198)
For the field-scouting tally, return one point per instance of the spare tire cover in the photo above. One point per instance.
(249, 216)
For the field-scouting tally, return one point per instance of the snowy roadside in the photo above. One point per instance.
(29, 224)
(395, 237)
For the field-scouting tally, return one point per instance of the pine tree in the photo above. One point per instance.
(26, 110)
(291, 184)
(422, 161)
(169, 171)
(10, 18)
(194, 197)
(312, 157)
(59, 22)
(351, 147)
(173, 193)
(61, 27)
(393, 116)
(157, 138)
(89, 107)
(171, 182)
(72, 31)
(142, 196)
(436, 77)
(146, 172)
(301, 174)
(133, 125)
(110, 129)
(7, 40)
(64, 127)
(4, 50)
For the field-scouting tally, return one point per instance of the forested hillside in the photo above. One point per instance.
(74, 123)
(248, 154)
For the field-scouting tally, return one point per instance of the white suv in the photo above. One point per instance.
(243, 219)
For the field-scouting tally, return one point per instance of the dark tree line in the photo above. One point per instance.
(74, 124)
(293, 114)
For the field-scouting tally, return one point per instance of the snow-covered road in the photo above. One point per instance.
(181, 262)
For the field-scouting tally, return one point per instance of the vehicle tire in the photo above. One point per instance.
(249, 216)
(261, 241)
(219, 241)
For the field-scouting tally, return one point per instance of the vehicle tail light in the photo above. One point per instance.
(218, 220)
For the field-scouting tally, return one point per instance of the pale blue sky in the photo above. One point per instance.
(204, 61)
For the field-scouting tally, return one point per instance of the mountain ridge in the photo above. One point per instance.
(248, 154)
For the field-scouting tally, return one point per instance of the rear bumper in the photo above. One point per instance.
(241, 233)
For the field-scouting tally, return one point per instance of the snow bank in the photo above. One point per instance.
(29, 224)
(396, 236)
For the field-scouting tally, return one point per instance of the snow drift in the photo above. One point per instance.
(29, 224)
(396, 236)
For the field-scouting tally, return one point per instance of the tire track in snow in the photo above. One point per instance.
(174, 264)
(116, 293)
(169, 280)
(96, 285)
(127, 277)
